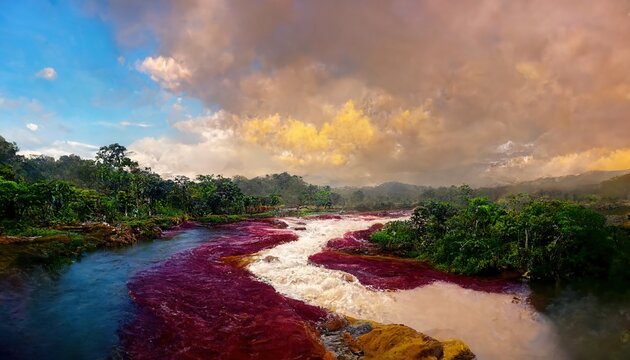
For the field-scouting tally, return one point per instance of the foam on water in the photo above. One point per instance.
(494, 325)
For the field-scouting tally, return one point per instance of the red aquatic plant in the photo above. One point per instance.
(355, 241)
(198, 306)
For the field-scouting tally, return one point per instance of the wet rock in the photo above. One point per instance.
(352, 343)
(359, 328)
(270, 259)
(335, 322)
(300, 228)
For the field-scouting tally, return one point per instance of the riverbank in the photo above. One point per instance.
(62, 244)
(59, 245)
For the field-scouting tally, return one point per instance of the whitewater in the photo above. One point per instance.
(494, 325)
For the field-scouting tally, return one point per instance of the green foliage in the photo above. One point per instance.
(41, 191)
(398, 238)
(545, 239)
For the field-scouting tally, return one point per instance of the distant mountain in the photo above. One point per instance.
(617, 187)
(392, 192)
(586, 183)
(574, 181)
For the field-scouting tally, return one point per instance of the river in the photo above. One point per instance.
(84, 311)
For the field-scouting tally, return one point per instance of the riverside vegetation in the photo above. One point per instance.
(52, 210)
(544, 239)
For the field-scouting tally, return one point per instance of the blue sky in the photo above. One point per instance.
(96, 96)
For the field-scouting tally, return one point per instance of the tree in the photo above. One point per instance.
(357, 197)
(115, 155)
(8, 151)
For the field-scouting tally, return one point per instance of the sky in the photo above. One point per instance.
(341, 92)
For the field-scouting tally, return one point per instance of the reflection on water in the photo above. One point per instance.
(75, 313)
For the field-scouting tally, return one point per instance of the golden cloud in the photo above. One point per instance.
(299, 142)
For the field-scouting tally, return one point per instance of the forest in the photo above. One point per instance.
(42, 191)
(459, 229)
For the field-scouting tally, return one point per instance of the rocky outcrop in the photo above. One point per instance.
(351, 339)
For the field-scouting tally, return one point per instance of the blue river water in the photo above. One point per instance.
(74, 313)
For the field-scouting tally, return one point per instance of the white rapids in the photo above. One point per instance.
(493, 325)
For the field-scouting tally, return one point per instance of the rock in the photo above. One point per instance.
(347, 277)
(300, 228)
(402, 342)
(270, 259)
(359, 328)
(352, 343)
(351, 339)
(335, 322)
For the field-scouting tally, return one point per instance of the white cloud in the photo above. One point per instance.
(136, 124)
(177, 106)
(32, 127)
(63, 147)
(202, 145)
(124, 124)
(121, 60)
(47, 73)
(166, 71)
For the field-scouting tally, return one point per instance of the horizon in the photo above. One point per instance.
(440, 94)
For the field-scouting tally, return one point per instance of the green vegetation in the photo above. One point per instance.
(42, 192)
(51, 210)
(541, 238)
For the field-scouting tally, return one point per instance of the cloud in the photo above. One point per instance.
(63, 147)
(530, 166)
(32, 127)
(202, 145)
(47, 73)
(441, 92)
(166, 71)
(135, 124)
(297, 142)
(124, 124)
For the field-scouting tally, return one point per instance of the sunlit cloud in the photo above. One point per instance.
(166, 71)
(437, 93)
(32, 127)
